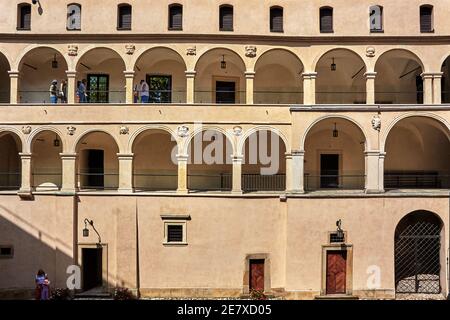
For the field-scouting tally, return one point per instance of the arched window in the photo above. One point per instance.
(24, 16)
(426, 18)
(226, 18)
(74, 16)
(376, 18)
(276, 19)
(175, 17)
(124, 17)
(326, 19)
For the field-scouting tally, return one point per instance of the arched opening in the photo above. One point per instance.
(155, 164)
(419, 254)
(417, 155)
(10, 163)
(278, 78)
(39, 69)
(264, 162)
(100, 77)
(209, 162)
(220, 78)
(334, 156)
(46, 161)
(445, 85)
(164, 71)
(340, 78)
(97, 162)
(5, 92)
(398, 79)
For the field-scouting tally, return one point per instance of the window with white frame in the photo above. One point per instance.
(175, 229)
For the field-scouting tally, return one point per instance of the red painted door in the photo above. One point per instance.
(336, 272)
(257, 275)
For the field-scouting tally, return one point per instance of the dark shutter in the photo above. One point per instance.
(176, 17)
(426, 13)
(276, 19)
(226, 18)
(25, 17)
(125, 17)
(174, 233)
(326, 20)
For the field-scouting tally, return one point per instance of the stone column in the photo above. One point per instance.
(370, 87)
(14, 87)
(68, 172)
(427, 88)
(237, 174)
(71, 86)
(381, 158)
(309, 87)
(297, 172)
(125, 172)
(249, 87)
(437, 88)
(289, 172)
(372, 172)
(129, 80)
(26, 185)
(190, 86)
(182, 173)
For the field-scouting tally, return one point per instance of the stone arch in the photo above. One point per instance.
(249, 132)
(35, 133)
(30, 48)
(321, 55)
(5, 82)
(143, 129)
(228, 135)
(145, 51)
(208, 51)
(84, 134)
(11, 145)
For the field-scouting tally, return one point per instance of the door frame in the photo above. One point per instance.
(104, 246)
(348, 248)
(320, 152)
(246, 280)
(237, 89)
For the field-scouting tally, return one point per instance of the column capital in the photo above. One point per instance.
(382, 155)
(309, 75)
(182, 157)
(298, 153)
(237, 159)
(129, 73)
(71, 73)
(370, 75)
(373, 153)
(438, 75)
(427, 75)
(13, 73)
(125, 156)
(25, 155)
(249, 74)
(190, 73)
(68, 156)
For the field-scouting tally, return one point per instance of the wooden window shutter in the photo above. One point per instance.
(276, 19)
(176, 17)
(226, 18)
(125, 17)
(24, 17)
(426, 16)
(326, 20)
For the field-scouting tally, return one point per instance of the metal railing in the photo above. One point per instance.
(209, 181)
(277, 97)
(94, 180)
(98, 96)
(225, 97)
(10, 181)
(258, 182)
(161, 96)
(424, 180)
(340, 97)
(330, 181)
(399, 97)
(155, 182)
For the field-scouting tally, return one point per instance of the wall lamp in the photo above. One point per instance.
(86, 230)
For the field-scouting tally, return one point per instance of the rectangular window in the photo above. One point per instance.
(160, 88)
(276, 20)
(326, 20)
(174, 233)
(74, 17)
(426, 19)
(376, 19)
(226, 18)
(176, 17)
(124, 18)
(336, 238)
(6, 252)
(175, 229)
(24, 17)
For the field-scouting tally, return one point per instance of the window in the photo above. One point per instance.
(6, 252)
(376, 19)
(160, 88)
(226, 18)
(276, 19)
(124, 17)
(336, 238)
(326, 19)
(175, 17)
(24, 16)
(426, 18)
(74, 17)
(175, 229)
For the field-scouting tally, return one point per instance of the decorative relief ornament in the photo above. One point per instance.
(370, 52)
(183, 131)
(237, 131)
(250, 51)
(376, 123)
(124, 130)
(192, 51)
(130, 48)
(72, 50)
(71, 130)
(26, 129)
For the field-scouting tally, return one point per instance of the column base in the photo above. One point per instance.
(25, 194)
(182, 191)
(237, 192)
(374, 191)
(68, 192)
(126, 190)
(295, 192)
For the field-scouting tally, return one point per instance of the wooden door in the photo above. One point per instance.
(336, 272)
(257, 275)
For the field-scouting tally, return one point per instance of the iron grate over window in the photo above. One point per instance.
(335, 238)
(174, 233)
(417, 258)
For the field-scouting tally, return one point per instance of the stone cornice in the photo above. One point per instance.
(222, 38)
